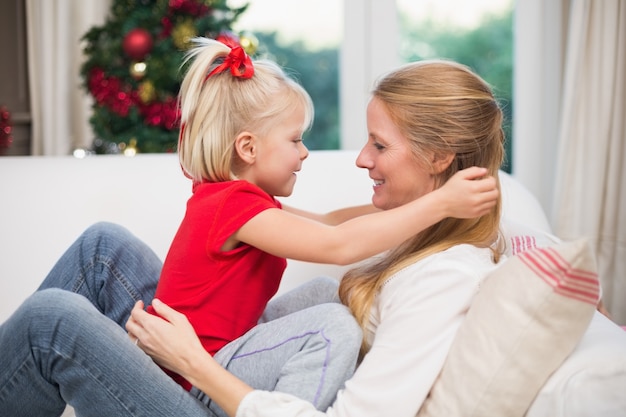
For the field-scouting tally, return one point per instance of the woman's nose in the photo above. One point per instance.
(363, 160)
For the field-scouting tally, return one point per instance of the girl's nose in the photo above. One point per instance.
(304, 152)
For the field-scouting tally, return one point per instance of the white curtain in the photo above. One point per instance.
(590, 184)
(60, 107)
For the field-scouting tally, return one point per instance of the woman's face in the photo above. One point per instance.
(398, 177)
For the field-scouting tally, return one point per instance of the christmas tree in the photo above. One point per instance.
(133, 68)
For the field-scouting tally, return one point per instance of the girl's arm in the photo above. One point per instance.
(291, 236)
(335, 217)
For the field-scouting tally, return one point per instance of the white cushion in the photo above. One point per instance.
(592, 380)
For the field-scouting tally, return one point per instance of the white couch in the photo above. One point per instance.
(48, 201)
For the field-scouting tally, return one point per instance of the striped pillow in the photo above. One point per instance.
(527, 318)
(556, 271)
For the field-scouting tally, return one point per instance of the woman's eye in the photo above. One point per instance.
(378, 146)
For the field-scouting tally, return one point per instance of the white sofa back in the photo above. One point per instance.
(48, 201)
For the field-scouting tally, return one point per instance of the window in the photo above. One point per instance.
(478, 34)
(338, 55)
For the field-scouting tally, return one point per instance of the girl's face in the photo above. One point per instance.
(398, 177)
(280, 154)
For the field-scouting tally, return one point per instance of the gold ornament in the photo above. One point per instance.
(131, 148)
(138, 70)
(249, 43)
(183, 33)
(146, 92)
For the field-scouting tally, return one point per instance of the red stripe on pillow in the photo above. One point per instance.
(557, 259)
(521, 244)
(578, 278)
(570, 282)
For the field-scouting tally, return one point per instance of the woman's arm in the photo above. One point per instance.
(290, 236)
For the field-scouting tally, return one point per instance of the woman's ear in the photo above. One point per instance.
(441, 162)
(245, 146)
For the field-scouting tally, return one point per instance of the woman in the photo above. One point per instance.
(426, 121)
(430, 119)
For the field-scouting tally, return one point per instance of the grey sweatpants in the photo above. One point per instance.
(306, 344)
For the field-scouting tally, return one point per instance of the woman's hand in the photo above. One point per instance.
(172, 343)
(169, 339)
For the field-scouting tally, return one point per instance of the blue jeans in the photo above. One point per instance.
(66, 343)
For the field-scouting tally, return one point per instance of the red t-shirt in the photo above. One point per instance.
(223, 294)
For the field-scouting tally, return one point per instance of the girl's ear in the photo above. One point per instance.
(245, 146)
(441, 162)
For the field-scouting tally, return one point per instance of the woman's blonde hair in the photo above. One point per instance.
(441, 108)
(215, 109)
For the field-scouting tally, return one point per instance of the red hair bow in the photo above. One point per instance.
(239, 63)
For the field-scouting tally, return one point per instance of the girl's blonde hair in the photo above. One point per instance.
(215, 109)
(440, 107)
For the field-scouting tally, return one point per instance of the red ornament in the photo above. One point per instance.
(190, 7)
(137, 44)
(5, 129)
